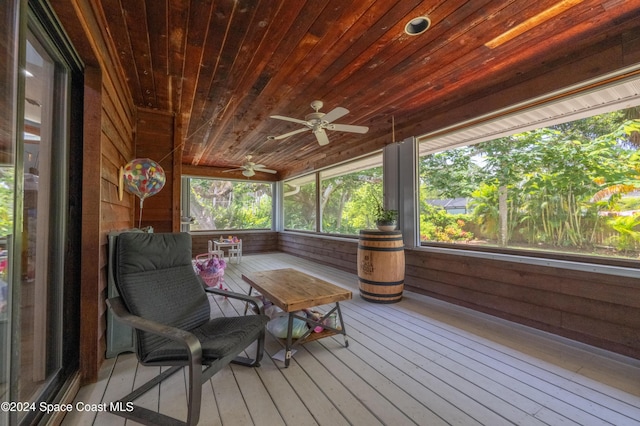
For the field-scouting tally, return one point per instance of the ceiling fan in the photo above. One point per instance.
(318, 122)
(249, 168)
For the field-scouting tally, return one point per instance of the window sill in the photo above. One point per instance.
(595, 264)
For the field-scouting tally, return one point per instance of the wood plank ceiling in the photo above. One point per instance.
(225, 66)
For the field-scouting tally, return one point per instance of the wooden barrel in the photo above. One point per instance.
(381, 266)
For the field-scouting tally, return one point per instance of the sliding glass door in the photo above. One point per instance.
(42, 220)
(38, 277)
(9, 12)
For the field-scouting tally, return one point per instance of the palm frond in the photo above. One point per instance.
(612, 190)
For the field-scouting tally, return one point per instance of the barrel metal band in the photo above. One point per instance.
(381, 283)
(386, 296)
(380, 239)
(380, 248)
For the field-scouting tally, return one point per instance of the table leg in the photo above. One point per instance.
(344, 330)
(287, 356)
(246, 305)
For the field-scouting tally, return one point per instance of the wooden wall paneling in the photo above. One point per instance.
(90, 359)
(176, 166)
(116, 214)
(335, 252)
(252, 242)
(490, 294)
(597, 309)
(155, 139)
(117, 150)
(565, 282)
(116, 127)
(117, 124)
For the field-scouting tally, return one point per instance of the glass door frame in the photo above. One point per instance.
(36, 18)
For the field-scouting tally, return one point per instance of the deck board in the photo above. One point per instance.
(419, 361)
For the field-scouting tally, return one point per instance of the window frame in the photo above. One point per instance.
(317, 179)
(457, 136)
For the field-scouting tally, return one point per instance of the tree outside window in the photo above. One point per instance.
(229, 205)
(348, 196)
(573, 187)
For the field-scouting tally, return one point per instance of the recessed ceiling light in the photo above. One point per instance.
(417, 25)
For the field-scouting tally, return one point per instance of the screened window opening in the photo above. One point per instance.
(350, 195)
(300, 203)
(230, 205)
(567, 188)
(345, 198)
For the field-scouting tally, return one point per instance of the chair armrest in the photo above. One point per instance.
(188, 339)
(257, 303)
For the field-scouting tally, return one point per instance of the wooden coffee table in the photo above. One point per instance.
(292, 290)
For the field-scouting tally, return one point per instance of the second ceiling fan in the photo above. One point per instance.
(318, 122)
(249, 168)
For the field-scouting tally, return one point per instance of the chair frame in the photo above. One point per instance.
(197, 376)
(236, 253)
(213, 252)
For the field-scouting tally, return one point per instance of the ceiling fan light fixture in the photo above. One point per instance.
(318, 121)
(417, 26)
(248, 173)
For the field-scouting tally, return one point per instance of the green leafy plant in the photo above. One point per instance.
(628, 229)
(384, 216)
(438, 225)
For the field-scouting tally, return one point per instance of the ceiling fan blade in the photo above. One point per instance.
(295, 120)
(334, 114)
(348, 128)
(233, 170)
(321, 136)
(286, 135)
(260, 169)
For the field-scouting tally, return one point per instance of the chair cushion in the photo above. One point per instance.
(216, 339)
(156, 279)
(140, 251)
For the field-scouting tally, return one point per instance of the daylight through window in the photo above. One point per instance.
(300, 203)
(348, 195)
(224, 204)
(572, 187)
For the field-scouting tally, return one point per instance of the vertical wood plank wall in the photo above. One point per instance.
(154, 140)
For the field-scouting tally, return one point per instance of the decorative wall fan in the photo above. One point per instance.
(249, 168)
(318, 122)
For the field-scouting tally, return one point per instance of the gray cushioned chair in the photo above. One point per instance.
(164, 300)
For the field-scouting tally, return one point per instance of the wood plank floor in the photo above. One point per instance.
(420, 361)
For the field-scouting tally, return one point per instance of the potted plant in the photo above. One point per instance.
(386, 220)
